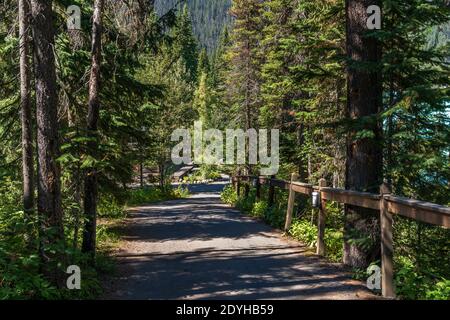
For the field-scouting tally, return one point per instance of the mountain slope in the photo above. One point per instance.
(209, 17)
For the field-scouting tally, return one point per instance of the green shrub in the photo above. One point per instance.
(110, 207)
(229, 195)
(259, 209)
(275, 216)
(245, 204)
(441, 291)
(334, 243)
(181, 192)
(154, 194)
(414, 283)
(207, 172)
(304, 231)
(20, 277)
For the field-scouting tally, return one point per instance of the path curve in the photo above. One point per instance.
(200, 248)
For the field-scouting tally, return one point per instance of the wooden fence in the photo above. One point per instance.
(385, 202)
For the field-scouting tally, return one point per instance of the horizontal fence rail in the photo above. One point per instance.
(385, 202)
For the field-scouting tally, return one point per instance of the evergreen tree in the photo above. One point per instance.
(416, 99)
(91, 179)
(244, 59)
(49, 185)
(279, 87)
(26, 110)
(364, 149)
(302, 87)
(172, 68)
(203, 63)
(416, 126)
(185, 45)
(219, 99)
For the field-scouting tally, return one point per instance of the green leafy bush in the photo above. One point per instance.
(20, 277)
(154, 194)
(304, 231)
(259, 209)
(413, 283)
(334, 242)
(110, 207)
(229, 195)
(206, 172)
(275, 216)
(245, 204)
(441, 291)
(181, 192)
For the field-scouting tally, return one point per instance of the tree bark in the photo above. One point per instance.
(161, 175)
(141, 174)
(364, 155)
(26, 113)
(90, 181)
(77, 190)
(49, 185)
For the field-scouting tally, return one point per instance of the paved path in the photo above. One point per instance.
(199, 248)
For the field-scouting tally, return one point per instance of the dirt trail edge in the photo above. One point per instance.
(200, 248)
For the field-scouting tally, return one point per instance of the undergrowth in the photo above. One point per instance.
(20, 265)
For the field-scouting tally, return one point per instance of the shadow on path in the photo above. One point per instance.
(199, 248)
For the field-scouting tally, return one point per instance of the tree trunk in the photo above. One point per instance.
(161, 175)
(90, 180)
(77, 190)
(49, 185)
(364, 155)
(141, 174)
(26, 114)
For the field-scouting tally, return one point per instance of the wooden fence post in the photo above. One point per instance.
(271, 195)
(321, 220)
(258, 189)
(291, 202)
(387, 248)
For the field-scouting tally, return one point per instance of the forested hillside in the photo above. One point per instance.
(209, 17)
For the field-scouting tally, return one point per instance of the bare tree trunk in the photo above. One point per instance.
(161, 175)
(90, 181)
(141, 174)
(364, 155)
(78, 183)
(49, 185)
(26, 114)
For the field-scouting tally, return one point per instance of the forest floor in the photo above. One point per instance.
(200, 248)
